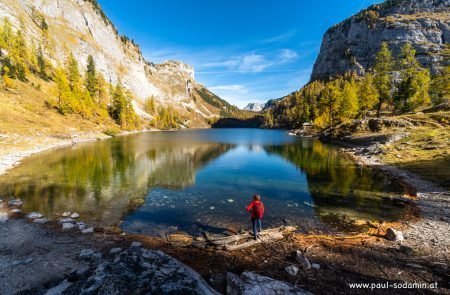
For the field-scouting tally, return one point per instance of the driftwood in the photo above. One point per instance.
(242, 241)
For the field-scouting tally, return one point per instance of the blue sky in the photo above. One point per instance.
(243, 50)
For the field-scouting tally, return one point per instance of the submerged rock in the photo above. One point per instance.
(394, 235)
(253, 284)
(66, 220)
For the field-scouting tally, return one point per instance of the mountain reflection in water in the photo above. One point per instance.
(201, 180)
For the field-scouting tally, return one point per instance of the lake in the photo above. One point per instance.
(194, 180)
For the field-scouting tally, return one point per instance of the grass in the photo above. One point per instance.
(426, 151)
(26, 120)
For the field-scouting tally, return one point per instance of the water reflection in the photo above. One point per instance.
(201, 180)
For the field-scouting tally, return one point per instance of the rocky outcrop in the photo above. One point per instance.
(352, 44)
(250, 283)
(80, 26)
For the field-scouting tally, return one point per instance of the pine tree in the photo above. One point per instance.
(66, 102)
(91, 77)
(367, 95)
(330, 100)
(42, 63)
(6, 80)
(383, 76)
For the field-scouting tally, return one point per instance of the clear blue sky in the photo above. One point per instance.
(243, 50)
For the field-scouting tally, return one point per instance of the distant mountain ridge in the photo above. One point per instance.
(255, 107)
(350, 46)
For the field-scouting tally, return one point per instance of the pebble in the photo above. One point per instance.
(15, 203)
(212, 208)
(315, 266)
(67, 226)
(230, 200)
(65, 214)
(75, 215)
(89, 230)
(394, 235)
(40, 220)
(34, 215)
(16, 211)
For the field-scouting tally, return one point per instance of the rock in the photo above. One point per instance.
(90, 255)
(81, 225)
(16, 211)
(68, 226)
(115, 251)
(230, 200)
(151, 272)
(59, 289)
(292, 270)
(15, 203)
(89, 230)
(351, 45)
(253, 284)
(40, 221)
(315, 266)
(394, 235)
(74, 215)
(66, 220)
(3, 218)
(135, 245)
(34, 215)
(406, 250)
(302, 260)
(65, 214)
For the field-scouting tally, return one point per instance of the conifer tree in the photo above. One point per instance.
(73, 73)
(383, 76)
(349, 104)
(91, 77)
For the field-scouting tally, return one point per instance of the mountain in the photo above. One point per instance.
(82, 28)
(254, 107)
(352, 44)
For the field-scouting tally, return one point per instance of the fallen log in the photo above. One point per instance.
(269, 238)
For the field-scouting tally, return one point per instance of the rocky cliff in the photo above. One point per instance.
(352, 44)
(254, 107)
(81, 26)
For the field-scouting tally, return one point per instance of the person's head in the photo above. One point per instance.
(256, 198)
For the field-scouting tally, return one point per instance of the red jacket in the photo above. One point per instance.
(256, 208)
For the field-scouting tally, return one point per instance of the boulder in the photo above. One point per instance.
(394, 235)
(250, 283)
(302, 260)
(66, 220)
(151, 272)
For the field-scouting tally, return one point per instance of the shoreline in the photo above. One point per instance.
(424, 246)
(13, 159)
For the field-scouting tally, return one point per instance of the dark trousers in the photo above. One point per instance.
(256, 222)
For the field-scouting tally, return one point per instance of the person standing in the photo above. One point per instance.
(256, 208)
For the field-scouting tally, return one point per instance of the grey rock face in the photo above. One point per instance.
(352, 44)
(151, 272)
(253, 284)
(255, 107)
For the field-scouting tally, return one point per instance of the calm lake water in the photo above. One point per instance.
(195, 180)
